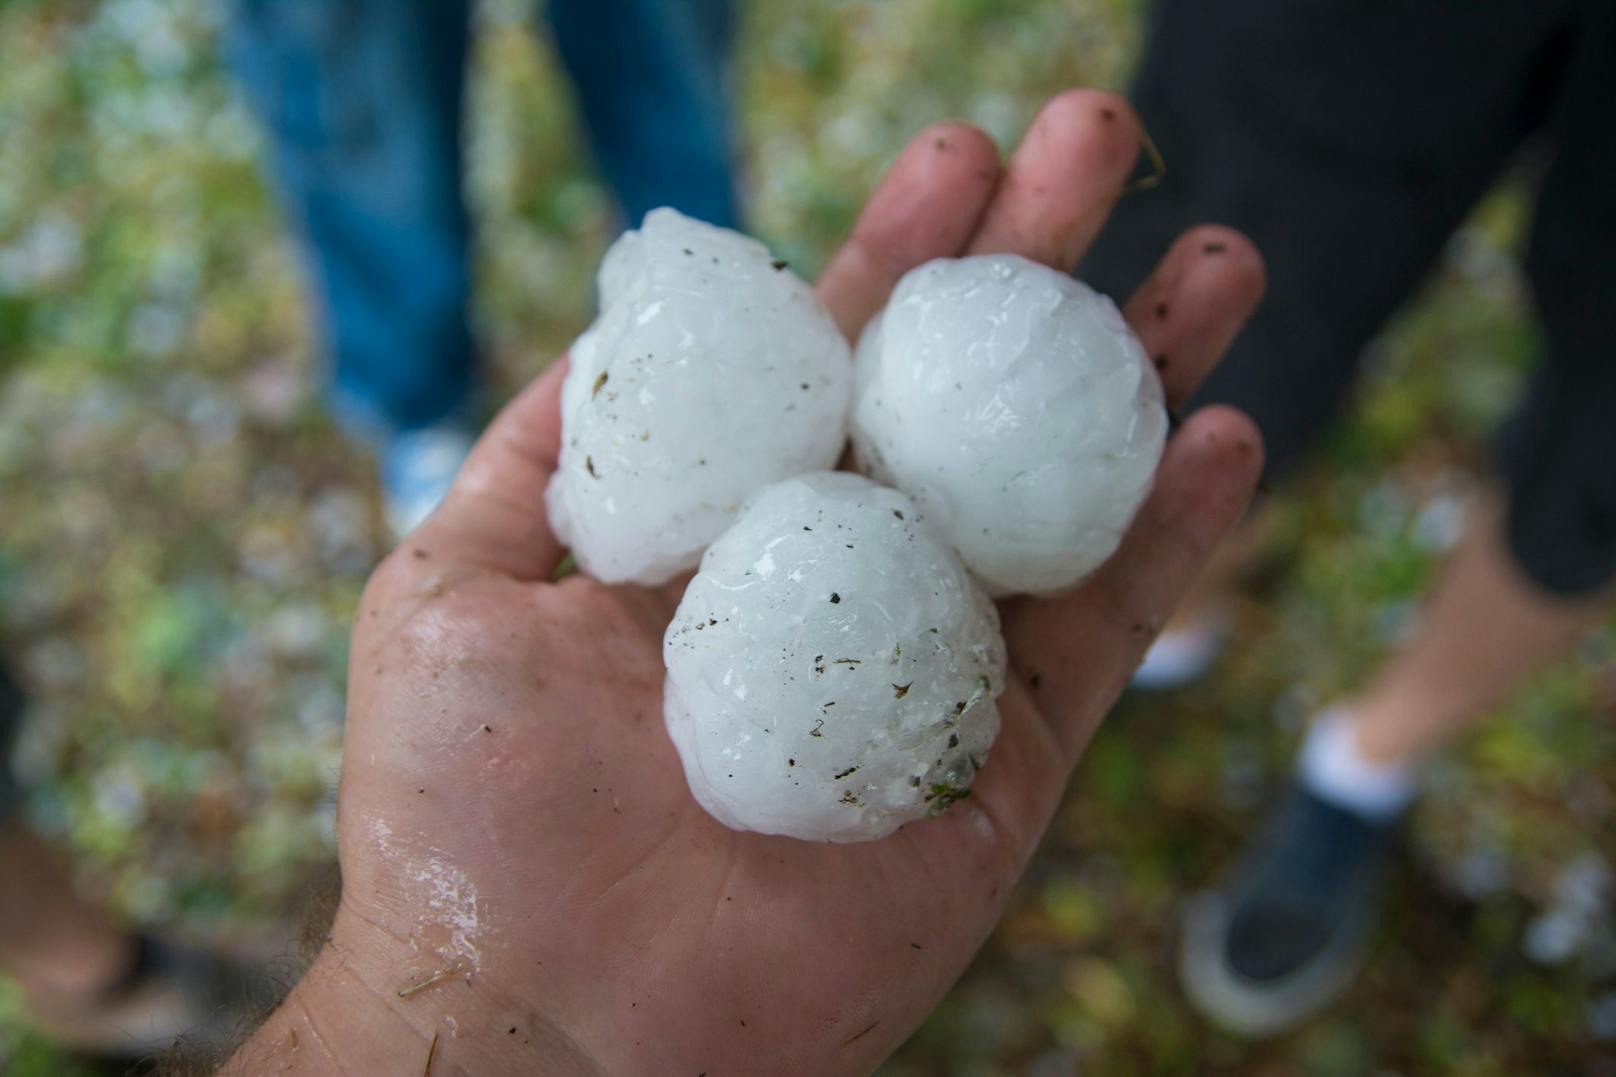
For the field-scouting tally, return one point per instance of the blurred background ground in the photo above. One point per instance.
(183, 536)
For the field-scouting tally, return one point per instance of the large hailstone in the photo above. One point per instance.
(711, 371)
(832, 669)
(1018, 410)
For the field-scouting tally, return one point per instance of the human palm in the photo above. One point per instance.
(529, 885)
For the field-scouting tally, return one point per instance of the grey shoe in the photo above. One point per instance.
(1288, 930)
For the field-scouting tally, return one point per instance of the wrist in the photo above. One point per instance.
(337, 1021)
(374, 1002)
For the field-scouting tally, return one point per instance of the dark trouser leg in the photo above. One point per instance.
(11, 705)
(1559, 451)
(1348, 141)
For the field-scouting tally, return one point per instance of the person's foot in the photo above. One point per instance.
(418, 467)
(167, 993)
(1184, 652)
(1289, 929)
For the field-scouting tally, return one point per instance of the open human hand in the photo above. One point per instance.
(528, 886)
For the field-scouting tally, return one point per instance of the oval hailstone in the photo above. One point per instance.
(1018, 410)
(833, 670)
(711, 371)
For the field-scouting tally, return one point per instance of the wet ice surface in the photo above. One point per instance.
(1018, 410)
(711, 371)
(833, 671)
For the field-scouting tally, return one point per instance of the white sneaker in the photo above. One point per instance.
(1182, 655)
(418, 467)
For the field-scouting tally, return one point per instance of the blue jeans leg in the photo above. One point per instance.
(362, 103)
(651, 78)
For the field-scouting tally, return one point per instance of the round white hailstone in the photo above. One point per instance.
(833, 670)
(1018, 410)
(711, 371)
